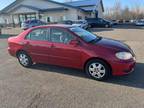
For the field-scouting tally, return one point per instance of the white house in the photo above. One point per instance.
(50, 11)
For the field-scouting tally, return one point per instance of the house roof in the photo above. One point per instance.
(42, 10)
(84, 3)
(30, 7)
(26, 6)
(88, 9)
(18, 1)
(64, 4)
(75, 5)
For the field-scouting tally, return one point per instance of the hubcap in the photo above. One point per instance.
(106, 26)
(97, 70)
(23, 59)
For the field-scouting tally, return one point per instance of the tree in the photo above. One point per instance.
(117, 9)
(126, 14)
(137, 12)
(117, 13)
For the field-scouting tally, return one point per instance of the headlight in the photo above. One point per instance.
(124, 55)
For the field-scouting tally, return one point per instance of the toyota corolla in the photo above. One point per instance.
(73, 47)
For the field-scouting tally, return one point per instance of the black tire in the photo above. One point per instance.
(28, 59)
(105, 66)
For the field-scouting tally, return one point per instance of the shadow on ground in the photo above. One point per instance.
(61, 70)
(135, 79)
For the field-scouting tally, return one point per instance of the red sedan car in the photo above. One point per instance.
(73, 47)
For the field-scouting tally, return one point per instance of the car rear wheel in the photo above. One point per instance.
(24, 59)
(98, 69)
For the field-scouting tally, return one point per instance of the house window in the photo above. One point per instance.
(49, 19)
(64, 18)
(31, 17)
(24, 17)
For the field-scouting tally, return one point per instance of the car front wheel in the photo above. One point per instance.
(98, 69)
(24, 59)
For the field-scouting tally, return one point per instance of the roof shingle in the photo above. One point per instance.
(83, 3)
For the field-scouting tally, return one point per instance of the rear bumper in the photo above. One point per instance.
(123, 68)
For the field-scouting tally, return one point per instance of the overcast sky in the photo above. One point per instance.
(107, 3)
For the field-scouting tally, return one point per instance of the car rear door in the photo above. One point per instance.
(62, 53)
(38, 45)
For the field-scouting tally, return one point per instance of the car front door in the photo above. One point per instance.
(62, 52)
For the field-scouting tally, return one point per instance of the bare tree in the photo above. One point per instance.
(117, 12)
(126, 14)
(136, 11)
(109, 13)
(117, 9)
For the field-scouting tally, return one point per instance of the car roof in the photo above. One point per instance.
(54, 25)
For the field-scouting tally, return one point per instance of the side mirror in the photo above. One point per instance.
(74, 42)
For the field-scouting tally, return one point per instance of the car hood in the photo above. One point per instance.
(113, 44)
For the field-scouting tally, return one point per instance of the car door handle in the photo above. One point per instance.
(47, 46)
(53, 46)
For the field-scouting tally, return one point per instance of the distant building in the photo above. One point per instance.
(50, 11)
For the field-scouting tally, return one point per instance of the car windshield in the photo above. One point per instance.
(85, 35)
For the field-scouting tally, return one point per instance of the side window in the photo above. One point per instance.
(39, 34)
(101, 20)
(60, 36)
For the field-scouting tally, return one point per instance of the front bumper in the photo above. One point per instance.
(123, 68)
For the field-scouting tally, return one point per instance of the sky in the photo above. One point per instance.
(107, 3)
